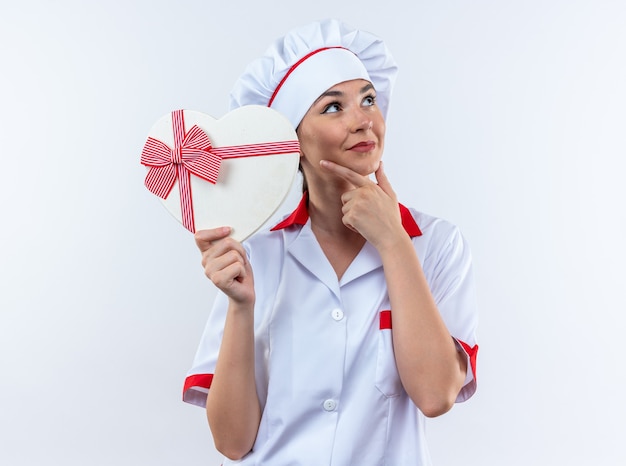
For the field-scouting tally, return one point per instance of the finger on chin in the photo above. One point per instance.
(346, 173)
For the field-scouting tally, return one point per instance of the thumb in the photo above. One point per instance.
(205, 238)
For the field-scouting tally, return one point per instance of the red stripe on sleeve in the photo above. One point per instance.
(471, 352)
(385, 320)
(198, 380)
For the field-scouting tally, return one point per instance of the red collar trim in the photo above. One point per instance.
(301, 215)
(297, 217)
(408, 222)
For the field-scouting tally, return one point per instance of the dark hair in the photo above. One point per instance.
(305, 186)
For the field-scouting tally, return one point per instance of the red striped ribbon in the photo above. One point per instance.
(194, 154)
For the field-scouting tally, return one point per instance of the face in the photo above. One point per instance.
(343, 125)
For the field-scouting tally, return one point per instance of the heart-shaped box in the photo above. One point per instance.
(235, 171)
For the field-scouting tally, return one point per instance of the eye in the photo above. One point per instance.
(369, 100)
(333, 107)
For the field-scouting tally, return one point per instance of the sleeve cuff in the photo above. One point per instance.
(196, 389)
(469, 385)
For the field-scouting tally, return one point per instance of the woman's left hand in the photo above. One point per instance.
(371, 209)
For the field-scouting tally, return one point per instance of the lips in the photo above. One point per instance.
(364, 146)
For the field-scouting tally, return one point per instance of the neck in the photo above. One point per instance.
(325, 212)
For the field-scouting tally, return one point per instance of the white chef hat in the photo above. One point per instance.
(297, 68)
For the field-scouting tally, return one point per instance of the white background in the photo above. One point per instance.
(508, 119)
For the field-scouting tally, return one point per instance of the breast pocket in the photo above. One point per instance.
(387, 377)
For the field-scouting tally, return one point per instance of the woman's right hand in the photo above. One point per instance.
(225, 264)
(232, 408)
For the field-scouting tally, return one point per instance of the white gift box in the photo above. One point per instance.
(234, 171)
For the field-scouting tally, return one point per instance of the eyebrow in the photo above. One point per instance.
(364, 89)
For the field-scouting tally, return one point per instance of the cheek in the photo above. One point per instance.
(382, 126)
(309, 143)
(316, 140)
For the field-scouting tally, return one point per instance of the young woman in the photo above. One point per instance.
(338, 331)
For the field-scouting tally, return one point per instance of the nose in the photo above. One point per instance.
(361, 120)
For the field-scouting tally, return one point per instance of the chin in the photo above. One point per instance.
(370, 169)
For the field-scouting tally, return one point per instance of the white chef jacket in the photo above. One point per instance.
(325, 371)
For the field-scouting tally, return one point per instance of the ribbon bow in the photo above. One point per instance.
(189, 155)
(193, 154)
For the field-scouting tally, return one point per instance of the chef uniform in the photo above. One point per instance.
(325, 370)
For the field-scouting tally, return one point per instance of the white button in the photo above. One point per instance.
(337, 314)
(330, 405)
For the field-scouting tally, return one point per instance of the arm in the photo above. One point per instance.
(431, 368)
(233, 408)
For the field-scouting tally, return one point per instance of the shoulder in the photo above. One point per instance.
(435, 230)
(441, 245)
(266, 250)
(264, 241)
